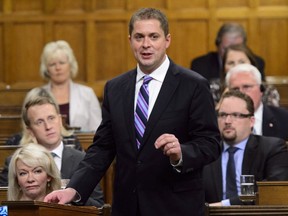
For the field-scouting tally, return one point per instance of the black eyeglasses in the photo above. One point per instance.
(233, 116)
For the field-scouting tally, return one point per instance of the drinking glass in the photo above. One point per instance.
(247, 185)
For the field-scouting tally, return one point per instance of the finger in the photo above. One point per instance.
(164, 140)
(169, 148)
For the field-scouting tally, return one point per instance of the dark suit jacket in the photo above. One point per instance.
(145, 181)
(275, 122)
(70, 161)
(264, 157)
(208, 66)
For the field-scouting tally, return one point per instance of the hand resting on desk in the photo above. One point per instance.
(61, 196)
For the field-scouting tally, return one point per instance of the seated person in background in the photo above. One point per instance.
(77, 102)
(210, 65)
(264, 157)
(18, 138)
(43, 126)
(32, 174)
(241, 54)
(269, 120)
(233, 55)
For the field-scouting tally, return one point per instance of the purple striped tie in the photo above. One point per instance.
(141, 113)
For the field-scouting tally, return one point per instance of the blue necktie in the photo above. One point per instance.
(141, 113)
(231, 186)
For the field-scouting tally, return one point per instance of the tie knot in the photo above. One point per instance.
(232, 150)
(147, 79)
(53, 154)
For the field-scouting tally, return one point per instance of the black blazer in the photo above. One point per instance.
(145, 181)
(275, 122)
(264, 157)
(208, 66)
(70, 161)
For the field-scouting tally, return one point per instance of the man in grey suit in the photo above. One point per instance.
(264, 157)
(159, 171)
(43, 123)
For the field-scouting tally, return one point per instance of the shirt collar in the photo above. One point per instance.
(158, 74)
(259, 112)
(59, 150)
(241, 145)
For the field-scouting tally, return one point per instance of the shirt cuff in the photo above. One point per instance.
(226, 202)
(76, 198)
(178, 165)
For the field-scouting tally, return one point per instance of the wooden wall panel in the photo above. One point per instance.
(27, 6)
(273, 2)
(197, 33)
(68, 6)
(2, 75)
(111, 40)
(137, 4)
(97, 32)
(110, 5)
(185, 4)
(234, 3)
(26, 46)
(274, 45)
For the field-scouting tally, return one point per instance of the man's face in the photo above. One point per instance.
(234, 128)
(45, 125)
(149, 44)
(247, 84)
(227, 40)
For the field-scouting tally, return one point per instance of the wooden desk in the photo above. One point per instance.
(246, 210)
(273, 192)
(3, 193)
(36, 208)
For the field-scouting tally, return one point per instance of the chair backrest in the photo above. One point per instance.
(6, 151)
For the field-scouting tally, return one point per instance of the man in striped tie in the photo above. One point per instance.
(160, 124)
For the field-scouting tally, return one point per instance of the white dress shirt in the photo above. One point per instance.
(154, 85)
(258, 114)
(58, 152)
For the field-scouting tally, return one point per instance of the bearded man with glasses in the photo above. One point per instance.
(264, 157)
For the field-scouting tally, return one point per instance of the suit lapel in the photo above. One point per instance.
(67, 163)
(269, 123)
(249, 155)
(129, 94)
(217, 178)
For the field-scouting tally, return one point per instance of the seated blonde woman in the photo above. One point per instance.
(32, 174)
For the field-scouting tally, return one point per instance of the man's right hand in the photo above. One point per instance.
(61, 196)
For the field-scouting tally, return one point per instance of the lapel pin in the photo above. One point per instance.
(270, 124)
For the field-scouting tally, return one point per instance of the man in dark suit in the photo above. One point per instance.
(270, 121)
(163, 174)
(210, 65)
(43, 123)
(264, 157)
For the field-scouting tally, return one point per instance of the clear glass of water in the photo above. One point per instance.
(247, 185)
